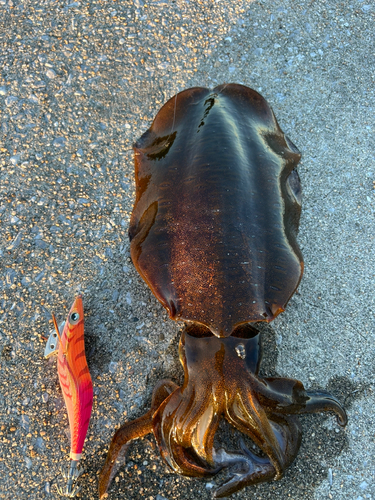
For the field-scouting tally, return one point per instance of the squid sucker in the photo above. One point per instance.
(213, 234)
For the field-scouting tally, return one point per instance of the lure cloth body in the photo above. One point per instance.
(75, 379)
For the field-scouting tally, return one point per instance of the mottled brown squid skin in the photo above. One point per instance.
(221, 380)
(213, 233)
(214, 224)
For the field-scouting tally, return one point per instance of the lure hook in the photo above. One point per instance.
(71, 475)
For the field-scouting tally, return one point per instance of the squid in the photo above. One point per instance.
(213, 233)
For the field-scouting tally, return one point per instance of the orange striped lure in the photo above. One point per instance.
(75, 382)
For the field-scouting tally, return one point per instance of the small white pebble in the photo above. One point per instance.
(113, 366)
(51, 74)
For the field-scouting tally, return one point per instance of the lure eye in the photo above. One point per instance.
(74, 317)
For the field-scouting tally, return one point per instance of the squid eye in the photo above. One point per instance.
(74, 317)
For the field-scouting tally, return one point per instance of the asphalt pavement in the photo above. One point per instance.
(80, 83)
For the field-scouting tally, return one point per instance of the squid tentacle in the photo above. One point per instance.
(248, 416)
(221, 381)
(130, 431)
(249, 468)
(204, 433)
(288, 396)
(323, 401)
(186, 420)
(180, 446)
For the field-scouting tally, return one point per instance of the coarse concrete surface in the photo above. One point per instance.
(80, 82)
